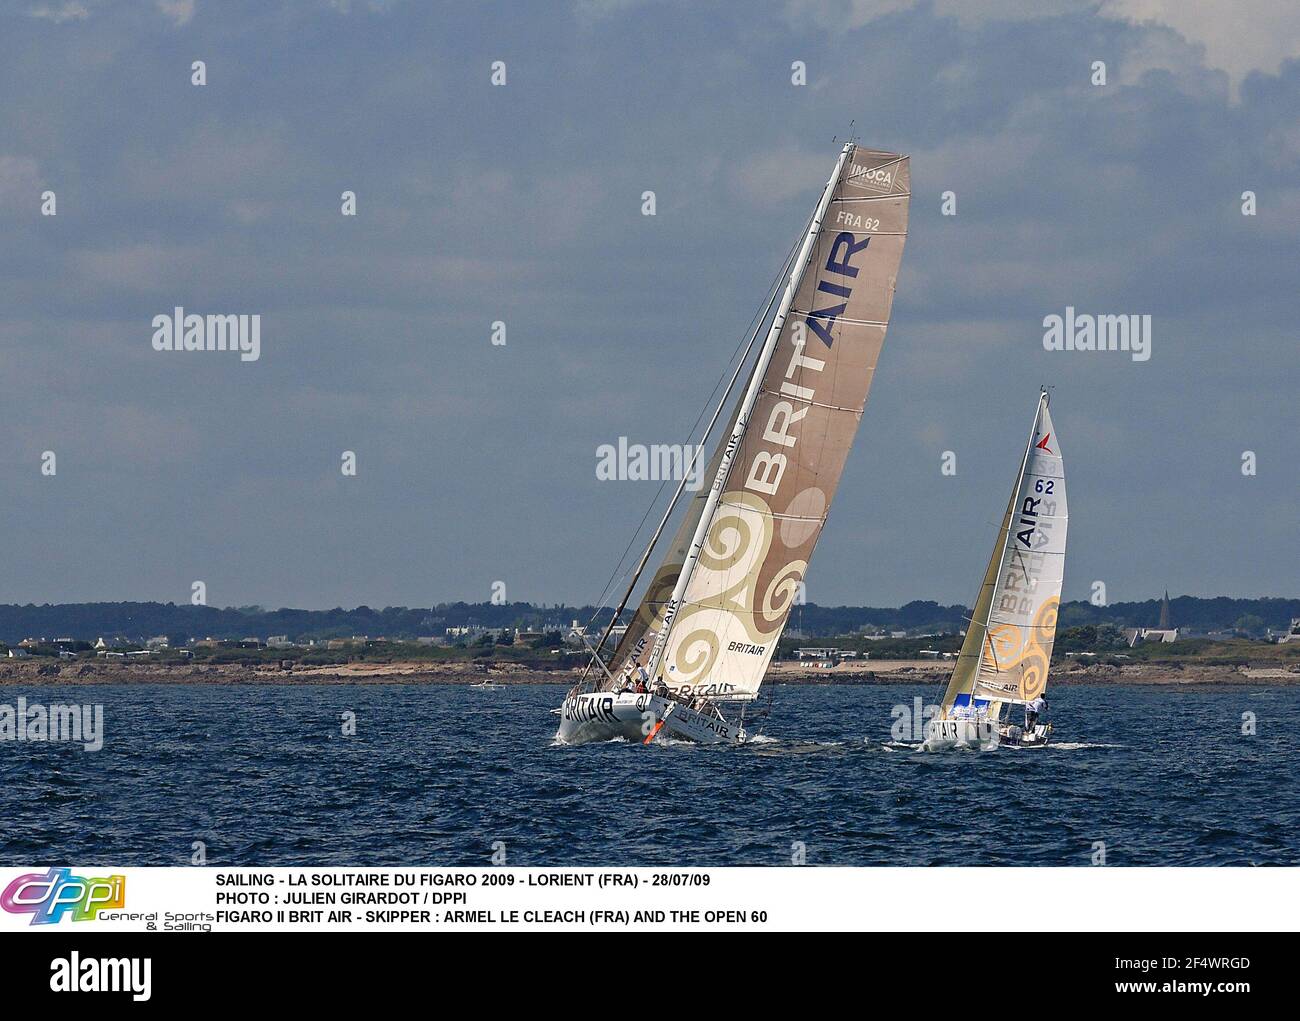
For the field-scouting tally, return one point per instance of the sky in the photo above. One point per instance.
(521, 203)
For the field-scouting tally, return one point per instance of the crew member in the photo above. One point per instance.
(1033, 710)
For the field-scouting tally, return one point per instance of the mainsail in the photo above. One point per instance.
(715, 610)
(1008, 646)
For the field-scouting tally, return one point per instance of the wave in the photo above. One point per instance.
(1074, 746)
(555, 742)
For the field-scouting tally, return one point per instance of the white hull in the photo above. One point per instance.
(943, 735)
(1020, 738)
(605, 716)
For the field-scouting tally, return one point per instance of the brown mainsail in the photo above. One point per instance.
(743, 566)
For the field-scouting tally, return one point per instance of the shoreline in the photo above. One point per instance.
(27, 673)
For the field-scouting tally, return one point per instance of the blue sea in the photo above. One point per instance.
(436, 775)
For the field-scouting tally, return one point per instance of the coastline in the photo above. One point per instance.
(29, 673)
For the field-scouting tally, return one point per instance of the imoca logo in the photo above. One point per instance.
(47, 898)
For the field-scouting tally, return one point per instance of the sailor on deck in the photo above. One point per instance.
(1033, 710)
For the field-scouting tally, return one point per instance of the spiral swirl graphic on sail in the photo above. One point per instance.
(695, 655)
(1020, 656)
(1033, 677)
(739, 534)
(801, 410)
(779, 597)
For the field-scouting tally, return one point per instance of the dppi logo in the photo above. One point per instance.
(47, 898)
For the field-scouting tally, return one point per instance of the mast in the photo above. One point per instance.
(742, 416)
(1006, 542)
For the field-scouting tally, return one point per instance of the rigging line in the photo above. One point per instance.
(612, 581)
(755, 326)
(744, 409)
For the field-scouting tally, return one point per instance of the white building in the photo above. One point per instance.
(579, 634)
(1133, 635)
(814, 653)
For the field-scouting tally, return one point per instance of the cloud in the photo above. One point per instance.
(774, 176)
(522, 204)
(19, 183)
(60, 13)
(373, 6)
(179, 12)
(1237, 38)
(593, 10)
(843, 15)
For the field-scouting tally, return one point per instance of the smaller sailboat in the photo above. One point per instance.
(1008, 648)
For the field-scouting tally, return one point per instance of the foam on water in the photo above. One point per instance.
(1074, 746)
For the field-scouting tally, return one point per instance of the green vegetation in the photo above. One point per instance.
(1213, 652)
(533, 656)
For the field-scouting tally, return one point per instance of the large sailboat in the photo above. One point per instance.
(1008, 647)
(698, 646)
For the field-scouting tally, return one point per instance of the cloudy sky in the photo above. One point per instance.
(522, 203)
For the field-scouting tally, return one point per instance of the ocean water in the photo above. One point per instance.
(436, 775)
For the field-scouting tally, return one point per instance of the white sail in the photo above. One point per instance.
(1014, 641)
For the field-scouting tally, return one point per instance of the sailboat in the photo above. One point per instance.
(696, 651)
(1008, 647)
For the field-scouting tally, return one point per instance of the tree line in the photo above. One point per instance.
(180, 622)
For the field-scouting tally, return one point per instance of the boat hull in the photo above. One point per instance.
(944, 735)
(1018, 737)
(608, 716)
